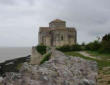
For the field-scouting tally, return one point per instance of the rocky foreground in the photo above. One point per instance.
(59, 70)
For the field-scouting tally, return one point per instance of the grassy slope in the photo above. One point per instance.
(101, 63)
(103, 55)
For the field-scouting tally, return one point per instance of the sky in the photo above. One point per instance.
(20, 19)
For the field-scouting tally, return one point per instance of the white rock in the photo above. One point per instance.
(59, 70)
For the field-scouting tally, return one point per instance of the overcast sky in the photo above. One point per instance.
(20, 19)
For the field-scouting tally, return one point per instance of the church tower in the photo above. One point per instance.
(57, 24)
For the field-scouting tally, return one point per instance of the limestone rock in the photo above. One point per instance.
(59, 70)
(35, 56)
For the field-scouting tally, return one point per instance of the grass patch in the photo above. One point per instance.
(101, 55)
(19, 66)
(106, 72)
(101, 63)
(76, 54)
(46, 57)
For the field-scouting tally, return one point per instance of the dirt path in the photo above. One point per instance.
(103, 74)
(88, 55)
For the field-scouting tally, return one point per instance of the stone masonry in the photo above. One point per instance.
(57, 34)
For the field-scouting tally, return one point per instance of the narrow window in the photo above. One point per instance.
(61, 37)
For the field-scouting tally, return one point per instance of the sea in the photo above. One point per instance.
(8, 53)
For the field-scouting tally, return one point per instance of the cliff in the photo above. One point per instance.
(59, 70)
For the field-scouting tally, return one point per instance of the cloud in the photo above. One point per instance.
(20, 19)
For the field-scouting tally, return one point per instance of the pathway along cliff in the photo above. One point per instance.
(84, 53)
(58, 70)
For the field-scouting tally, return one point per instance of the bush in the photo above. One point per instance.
(76, 47)
(67, 48)
(93, 46)
(102, 47)
(41, 49)
(64, 48)
(105, 47)
(83, 45)
(105, 44)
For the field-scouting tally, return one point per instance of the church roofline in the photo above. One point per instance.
(49, 29)
(57, 20)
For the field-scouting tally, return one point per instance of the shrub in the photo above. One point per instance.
(93, 46)
(41, 49)
(64, 48)
(83, 45)
(76, 47)
(102, 47)
(67, 48)
(105, 44)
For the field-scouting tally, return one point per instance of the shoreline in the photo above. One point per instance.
(12, 64)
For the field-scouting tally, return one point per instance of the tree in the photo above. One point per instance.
(105, 44)
(93, 46)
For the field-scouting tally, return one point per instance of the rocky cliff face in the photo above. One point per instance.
(59, 70)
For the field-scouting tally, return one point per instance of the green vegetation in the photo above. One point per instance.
(101, 63)
(68, 48)
(41, 49)
(98, 54)
(46, 57)
(106, 72)
(102, 46)
(19, 66)
(74, 54)
(105, 44)
(108, 82)
(93, 46)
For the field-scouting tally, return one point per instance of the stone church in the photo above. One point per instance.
(57, 34)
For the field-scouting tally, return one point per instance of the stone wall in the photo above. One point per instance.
(63, 38)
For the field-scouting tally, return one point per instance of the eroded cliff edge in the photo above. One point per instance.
(59, 70)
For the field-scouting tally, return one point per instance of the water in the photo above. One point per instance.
(7, 53)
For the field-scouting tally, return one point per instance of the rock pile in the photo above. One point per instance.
(59, 70)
